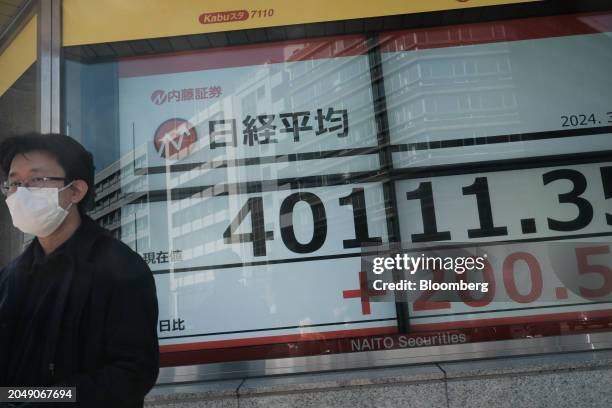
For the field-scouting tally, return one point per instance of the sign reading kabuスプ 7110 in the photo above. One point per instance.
(86, 22)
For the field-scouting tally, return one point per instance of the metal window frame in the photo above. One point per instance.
(49, 38)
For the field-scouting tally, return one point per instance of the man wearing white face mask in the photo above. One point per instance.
(36, 210)
(77, 308)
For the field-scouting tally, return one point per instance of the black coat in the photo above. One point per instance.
(106, 339)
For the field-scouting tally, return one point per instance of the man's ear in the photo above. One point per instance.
(79, 190)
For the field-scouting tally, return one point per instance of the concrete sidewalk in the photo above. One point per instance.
(578, 379)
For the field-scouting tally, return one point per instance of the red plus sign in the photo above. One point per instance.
(363, 292)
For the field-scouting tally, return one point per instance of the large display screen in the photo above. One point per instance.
(503, 132)
(258, 182)
(251, 177)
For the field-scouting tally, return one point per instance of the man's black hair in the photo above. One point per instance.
(73, 158)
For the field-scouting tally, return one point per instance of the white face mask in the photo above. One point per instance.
(36, 210)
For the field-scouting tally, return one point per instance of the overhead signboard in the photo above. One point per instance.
(87, 21)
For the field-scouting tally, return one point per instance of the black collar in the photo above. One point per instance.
(39, 256)
(80, 242)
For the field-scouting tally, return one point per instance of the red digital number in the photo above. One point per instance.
(535, 273)
(489, 277)
(584, 267)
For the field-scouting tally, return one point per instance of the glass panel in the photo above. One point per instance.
(498, 91)
(501, 132)
(246, 178)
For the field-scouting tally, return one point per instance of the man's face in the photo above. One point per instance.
(39, 163)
